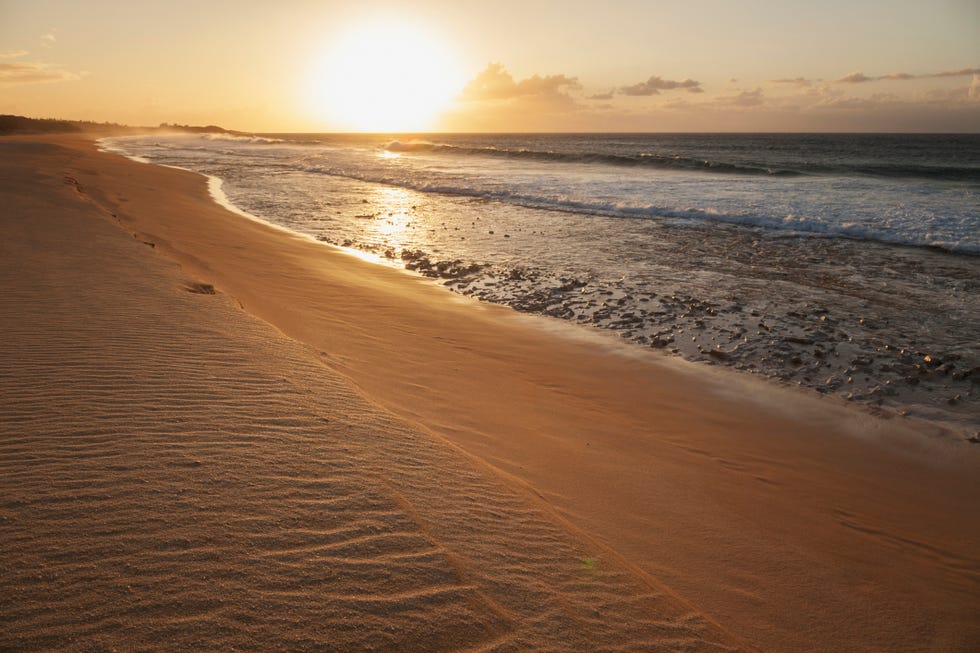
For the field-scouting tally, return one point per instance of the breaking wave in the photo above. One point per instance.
(885, 233)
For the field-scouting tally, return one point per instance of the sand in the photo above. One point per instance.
(335, 455)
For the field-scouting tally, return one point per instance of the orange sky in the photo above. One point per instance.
(433, 65)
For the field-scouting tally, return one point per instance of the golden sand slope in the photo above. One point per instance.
(553, 485)
(177, 475)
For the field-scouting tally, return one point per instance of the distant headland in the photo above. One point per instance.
(10, 124)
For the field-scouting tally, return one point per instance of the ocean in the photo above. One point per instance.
(847, 264)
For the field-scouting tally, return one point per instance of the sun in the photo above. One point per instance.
(385, 77)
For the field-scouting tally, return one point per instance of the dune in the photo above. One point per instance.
(217, 434)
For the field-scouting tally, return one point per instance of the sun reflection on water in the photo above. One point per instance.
(394, 217)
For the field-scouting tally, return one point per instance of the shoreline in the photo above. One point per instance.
(839, 317)
(702, 490)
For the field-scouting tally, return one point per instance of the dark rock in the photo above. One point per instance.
(963, 375)
(200, 288)
(798, 341)
(720, 354)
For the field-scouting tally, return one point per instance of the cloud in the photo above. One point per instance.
(743, 99)
(655, 84)
(876, 102)
(795, 81)
(495, 101)
(859, 77)
(495, 83)
(11, 54)
(963, 72)
(897, 76)
(48, 38)
(23, 72)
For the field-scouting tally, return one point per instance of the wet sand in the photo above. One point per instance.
(218, 434)
(892, 327)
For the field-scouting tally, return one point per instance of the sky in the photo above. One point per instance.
(505, 65)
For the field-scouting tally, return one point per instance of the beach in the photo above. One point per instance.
(219, 434)
(846, 264)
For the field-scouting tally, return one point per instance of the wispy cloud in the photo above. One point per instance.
(802, 82)
(12, 54)
(602, 96)
(655, 84)
(962, 72)
(897, 76)
(858, 77)
(25, 72)
(875, 102)
(752, 98)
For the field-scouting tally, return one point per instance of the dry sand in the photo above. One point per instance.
(361, 460)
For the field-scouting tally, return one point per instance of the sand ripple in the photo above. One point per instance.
(177, 475)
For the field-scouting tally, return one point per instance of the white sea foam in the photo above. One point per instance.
(240, 138)
(900, 211)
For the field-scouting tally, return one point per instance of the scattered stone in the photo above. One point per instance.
(200, 288)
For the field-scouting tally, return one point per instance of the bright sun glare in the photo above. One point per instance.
(385, 77)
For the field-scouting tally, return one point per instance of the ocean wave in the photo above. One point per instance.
(411, 146)
(899, 171)
(936, 172)
(666, 162)
(789, 223)
(259, 140)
